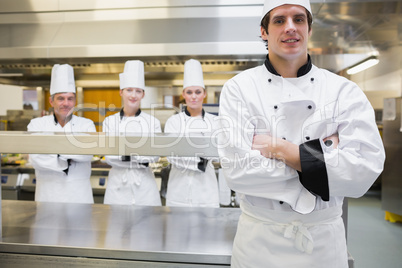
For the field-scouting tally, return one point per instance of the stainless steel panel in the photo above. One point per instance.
(40, 261)
(51, 5)
(161, 234)
(391, 182)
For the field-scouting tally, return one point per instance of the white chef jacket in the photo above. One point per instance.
(304, 111)
(53, 182)
(131, 181)
(188, 185)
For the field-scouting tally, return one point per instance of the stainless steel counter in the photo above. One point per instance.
(96, 235)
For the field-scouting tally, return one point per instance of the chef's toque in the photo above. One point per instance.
(271, 4)
(62, 80)
(193, 74)
(133, 75)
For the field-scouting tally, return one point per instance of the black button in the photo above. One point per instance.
(307, 138)
(328, 143)
(312, 79)
(276, 107)
(281, 202)
(269, 80)
(309, 106)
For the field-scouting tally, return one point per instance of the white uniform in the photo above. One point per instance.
(188, 185)
(52, 182)
(131, 181)
(286, 223)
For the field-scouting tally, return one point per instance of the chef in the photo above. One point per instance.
(300, 139)
(131, 181)
(59, 177)
(192, 180)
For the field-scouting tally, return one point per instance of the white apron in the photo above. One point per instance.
(130, 182)
(132, 186)
(277, 239)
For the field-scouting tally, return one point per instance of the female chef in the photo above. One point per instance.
(300, 140)
(131, 180)
(192, 180)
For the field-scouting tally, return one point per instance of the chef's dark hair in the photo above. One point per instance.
(265, 22)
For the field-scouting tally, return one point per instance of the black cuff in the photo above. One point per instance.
(202, 165)
(125, 158)
(314, 175)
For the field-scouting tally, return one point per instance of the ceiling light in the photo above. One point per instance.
(363, 65)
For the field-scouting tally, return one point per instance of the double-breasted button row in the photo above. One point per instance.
(311, 79)
(308, 107)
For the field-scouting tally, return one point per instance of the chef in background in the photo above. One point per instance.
(300, 139)
(59, 177)
(131, 180)
(192, 180)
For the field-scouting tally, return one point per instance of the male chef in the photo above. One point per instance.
(300, 140)
(62, 178)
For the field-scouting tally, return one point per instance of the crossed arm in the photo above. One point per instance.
(283, 150)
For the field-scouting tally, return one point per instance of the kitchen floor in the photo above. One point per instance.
(372, 241)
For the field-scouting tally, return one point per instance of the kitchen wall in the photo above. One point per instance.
(383, 80)
(10, 98)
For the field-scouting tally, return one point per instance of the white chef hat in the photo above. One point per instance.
(133, 75)
(193, 74)
(271, 4)
(62, 79)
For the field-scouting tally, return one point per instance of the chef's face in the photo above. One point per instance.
(63, 104)
(194, 96)
(132, 97)
(288, 32)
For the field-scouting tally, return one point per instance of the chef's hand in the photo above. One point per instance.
(265, 144)
(279, 149)
(332, 140)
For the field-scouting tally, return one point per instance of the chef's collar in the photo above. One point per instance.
(122, 113)
(302, 70)
(57, 121)
(188, 113)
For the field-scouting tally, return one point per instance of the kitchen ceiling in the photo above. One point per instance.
(97, 37)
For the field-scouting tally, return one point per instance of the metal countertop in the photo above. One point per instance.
(164, 234)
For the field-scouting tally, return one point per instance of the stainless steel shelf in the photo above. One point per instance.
(102, 144)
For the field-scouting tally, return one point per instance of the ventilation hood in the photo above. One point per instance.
(97, 37)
